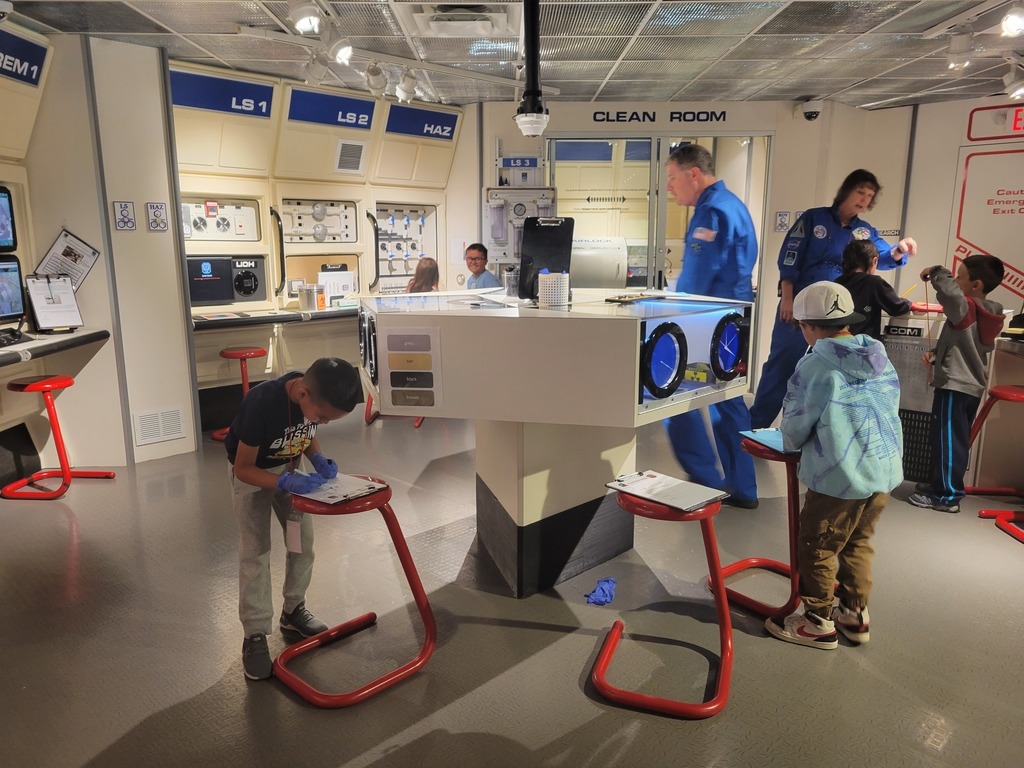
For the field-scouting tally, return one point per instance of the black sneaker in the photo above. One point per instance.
(302, 622)
(732, 501)
(256, 661)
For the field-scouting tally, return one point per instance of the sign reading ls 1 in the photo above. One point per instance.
(328, 109)
(221, 94)
(21, 59)
(413, 121)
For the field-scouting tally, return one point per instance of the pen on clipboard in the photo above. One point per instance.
(908, 291)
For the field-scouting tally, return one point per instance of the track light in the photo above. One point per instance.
(961, 46)
(1014, 82)
(339, 48)
(1013, 22)
(376, 80)
(406, 88)
(304, 16)
(315, 69)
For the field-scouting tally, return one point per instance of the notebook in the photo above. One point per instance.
(769, 438)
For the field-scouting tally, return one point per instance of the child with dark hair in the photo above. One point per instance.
(959, 362)
(871, 294)
(275, 427)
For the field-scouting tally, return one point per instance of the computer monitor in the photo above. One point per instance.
(547, 244)
(8, 235)
(12, 296)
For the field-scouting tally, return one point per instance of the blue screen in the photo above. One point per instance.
(8, 238)
(12, 305)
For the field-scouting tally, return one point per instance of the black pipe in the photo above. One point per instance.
(531, 102)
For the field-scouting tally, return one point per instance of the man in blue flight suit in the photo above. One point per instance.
(813, 251)
(718, 260)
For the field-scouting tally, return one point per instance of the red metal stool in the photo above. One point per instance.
(45, 385)
(1007, 393)
(656, 511)
(785, 569)
(378, 501)
(241, 354)
(1007, 521)
(370, 415)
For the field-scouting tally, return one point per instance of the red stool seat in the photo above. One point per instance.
(241, 354)
(45, 385)
(378, 501)
(716, 703)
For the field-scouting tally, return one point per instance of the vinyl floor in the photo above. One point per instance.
(121, 642)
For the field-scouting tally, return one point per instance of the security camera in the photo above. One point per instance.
(812, 109)
(6, 6)
(532, 124)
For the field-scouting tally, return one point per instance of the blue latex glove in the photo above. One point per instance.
(297, 482)
(603, 593)
(326, 468)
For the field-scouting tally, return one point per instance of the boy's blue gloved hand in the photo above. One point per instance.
(296, 482)
(326, 468)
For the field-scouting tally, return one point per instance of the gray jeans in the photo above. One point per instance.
(252, 507)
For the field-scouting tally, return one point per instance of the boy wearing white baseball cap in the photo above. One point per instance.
(841, 412)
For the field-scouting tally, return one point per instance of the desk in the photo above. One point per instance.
(43, 345)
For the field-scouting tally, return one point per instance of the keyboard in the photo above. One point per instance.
(10, 336)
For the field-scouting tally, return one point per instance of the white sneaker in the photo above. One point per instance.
(853, 624)
(805, 629)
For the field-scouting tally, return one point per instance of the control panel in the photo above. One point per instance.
(318, 221)
(406, 233)
(220, 221)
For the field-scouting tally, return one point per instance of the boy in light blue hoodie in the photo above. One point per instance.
(842, 413)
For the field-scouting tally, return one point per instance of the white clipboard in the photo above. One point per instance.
(663, 489)
(343, 488)
(53, 303)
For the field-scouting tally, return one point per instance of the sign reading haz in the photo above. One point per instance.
(413, 121)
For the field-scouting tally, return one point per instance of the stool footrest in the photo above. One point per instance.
(764, 564)
(1007, 520)
(11, 491)
(220, 435)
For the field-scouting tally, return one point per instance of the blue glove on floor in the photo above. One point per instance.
(603, 593)
(326, 468)
(296, 482)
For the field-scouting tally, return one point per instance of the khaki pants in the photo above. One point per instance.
(834, 544)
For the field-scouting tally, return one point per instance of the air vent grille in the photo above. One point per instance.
(350, 157)
(159, 426)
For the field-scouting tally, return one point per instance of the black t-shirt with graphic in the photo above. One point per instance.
(272, 423)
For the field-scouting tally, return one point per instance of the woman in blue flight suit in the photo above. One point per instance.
(813, 251)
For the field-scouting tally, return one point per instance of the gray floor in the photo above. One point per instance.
(121, 640)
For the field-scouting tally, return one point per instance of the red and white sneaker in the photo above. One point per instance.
(805, 629)
(852, 623)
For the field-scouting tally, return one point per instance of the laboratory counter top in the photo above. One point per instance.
(1011, 346)
(218, 320)
(41, 344)
(585, 302)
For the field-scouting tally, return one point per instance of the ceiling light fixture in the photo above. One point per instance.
(376, 80)
(1014, 82)
(1013, 22)
(339, 48)
(304, 16)
(315, 69)
(961, 46)
(406, 88)
(531, 116)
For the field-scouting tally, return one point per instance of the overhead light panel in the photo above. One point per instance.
(406, 88)
(304, 16)
(1013, 22)
(961, 46)
(376, 80)
(339, 48)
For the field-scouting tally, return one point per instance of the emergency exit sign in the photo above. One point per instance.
(1004, 121)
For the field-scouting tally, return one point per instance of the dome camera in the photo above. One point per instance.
(811, 110)
(532, 124)
(6, 6)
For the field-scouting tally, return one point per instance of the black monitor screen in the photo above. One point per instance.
(210, 280)
(12, 303)
(8, 237)
(547, 244)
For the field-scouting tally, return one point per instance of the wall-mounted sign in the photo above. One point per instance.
(21, 59)
(1004, 121)
(520, 162)
(329, 109)
(413, 121)
(221, 94)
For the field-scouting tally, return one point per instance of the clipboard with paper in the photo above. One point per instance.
(670, 491)
(53, 303)
(343, 488)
